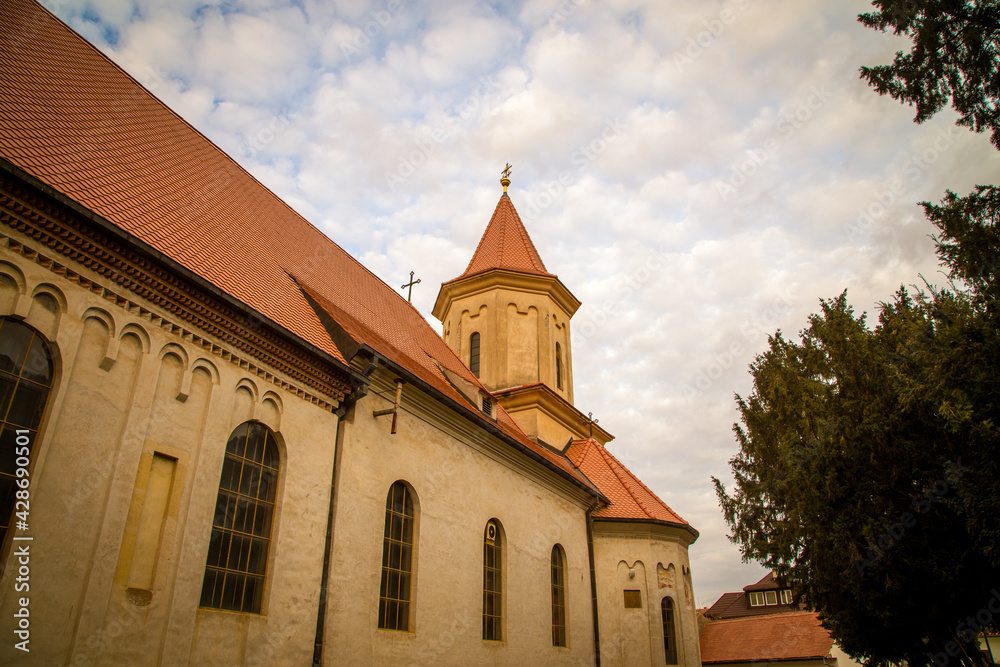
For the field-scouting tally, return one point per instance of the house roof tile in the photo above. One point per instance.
(505, 245)
(84, 127)
(792, 636)
(630, 498)
(766, 583)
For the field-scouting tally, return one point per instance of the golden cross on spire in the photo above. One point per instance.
(505, 181)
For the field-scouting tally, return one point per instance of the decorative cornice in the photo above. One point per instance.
(542, 397)
(504, 279)
(203, 318)
(616, 527)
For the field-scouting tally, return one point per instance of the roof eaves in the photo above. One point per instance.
(658, 522)
(345, 343)
(488, 425)
(742, 661)
(143, 248)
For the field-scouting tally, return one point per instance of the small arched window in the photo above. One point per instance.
(397, 560)
(558, 597)
(558, 366)
(669, 633)
(493, 582)
(474, 354)
(241, 531)
(25, 382)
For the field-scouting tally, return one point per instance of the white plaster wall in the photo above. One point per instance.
(460, 484)
(635, 636)
(115, 398)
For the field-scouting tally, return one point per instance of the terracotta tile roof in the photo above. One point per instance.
(630, 498)
(793, 636)
(505, 245)
(73, 119)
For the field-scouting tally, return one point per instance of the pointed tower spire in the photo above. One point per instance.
(508, 319)
(506, 245)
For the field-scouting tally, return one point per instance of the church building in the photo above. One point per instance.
(224, 441)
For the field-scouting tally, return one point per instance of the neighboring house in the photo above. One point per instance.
(241, 447)
(764, 597)
(763, 625)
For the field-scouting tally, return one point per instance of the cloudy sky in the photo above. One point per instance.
(699, 173)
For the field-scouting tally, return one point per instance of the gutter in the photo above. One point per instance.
(593, 584)
(346, 406)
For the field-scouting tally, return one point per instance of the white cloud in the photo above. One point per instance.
(400, 121)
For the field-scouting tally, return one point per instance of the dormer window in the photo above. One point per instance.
(756, 599)
(786, 596)
(771, 597)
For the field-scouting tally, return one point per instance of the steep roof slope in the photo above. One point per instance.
(795, 636)
(766, 583)
(77, 122)
(729, 605)
(630, 498)
(505, 245)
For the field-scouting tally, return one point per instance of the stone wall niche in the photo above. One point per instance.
(155, 502)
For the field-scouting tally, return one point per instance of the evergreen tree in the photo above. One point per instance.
(868, 464)
(956, 49)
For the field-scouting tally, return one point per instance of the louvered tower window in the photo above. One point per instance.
(474, 354)
(558, 366)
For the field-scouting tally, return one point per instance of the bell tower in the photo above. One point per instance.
(508, 319)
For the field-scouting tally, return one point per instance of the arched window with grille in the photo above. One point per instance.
(241, 531)
(25, 383)
(669, 632)
(493, 581)
(558, 596)
(397, 559)
(474, 353)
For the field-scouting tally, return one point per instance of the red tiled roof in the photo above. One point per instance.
(505, 245)
(630, 498)
(793, 636)
(77, 122)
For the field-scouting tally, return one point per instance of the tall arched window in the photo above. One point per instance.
(25, 382)
(397, 560)
(493, 582)
(669, 633)
(558, 366)
(474, 354)
(558, 597)
(241, 530)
